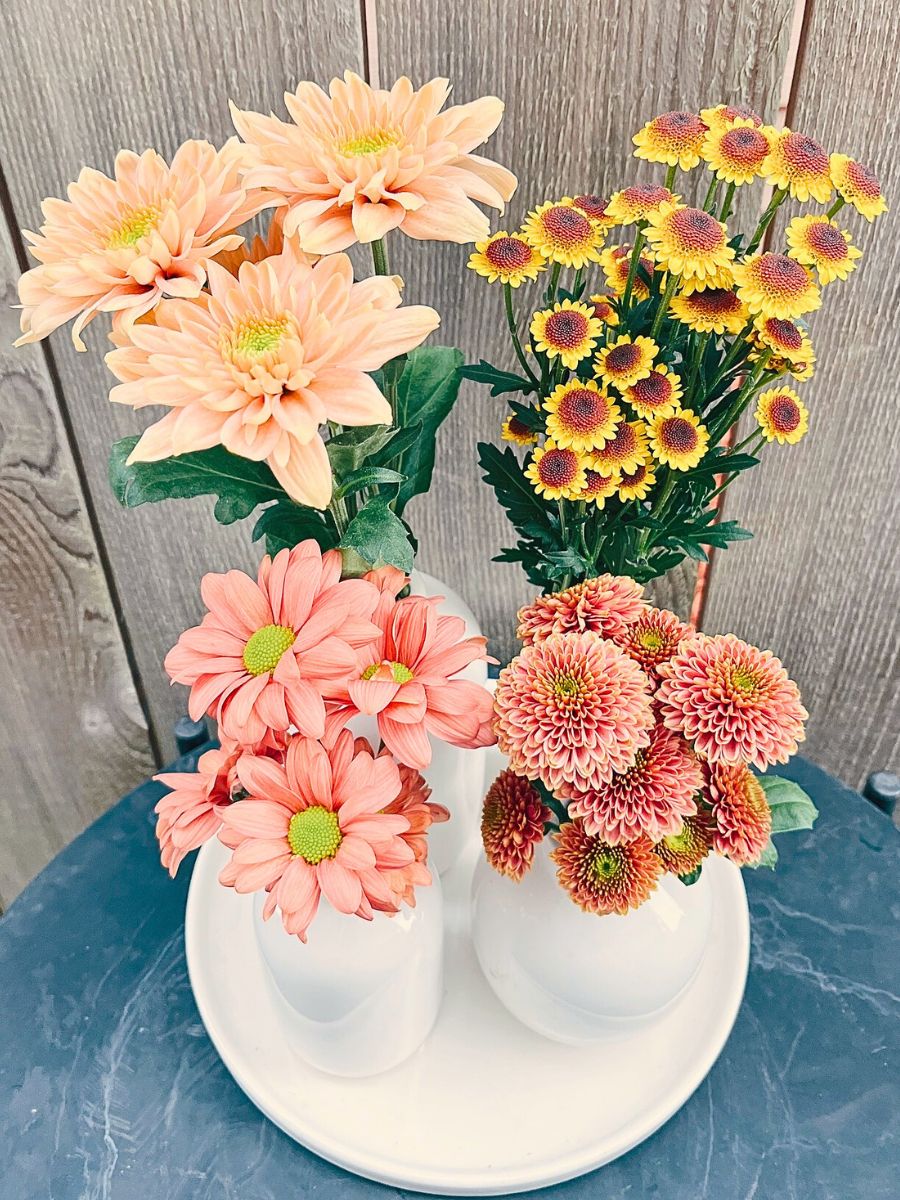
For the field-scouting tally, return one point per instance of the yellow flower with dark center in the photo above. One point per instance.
(818, 242)
(782, 415)
(625, 451)
(636, 203)
(785, 338)
(595, 207)
(776, 286)
(799, 165)
(688, 241)
(598, 488)
(857, 186)
(659, 394)
(674, 138)
(679, 441)
(556, 473)
(508, 258)
(563, 233)
(725, 114)
(582, 417)
(604, 308)
(515, 430)
(615, 261)
(636, 484)
(626, 361)
(719, 280)
(568, 331)
(714, 310)
(736, 150)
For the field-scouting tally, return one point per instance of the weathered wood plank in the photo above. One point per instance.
(578, 81)
(131, 75)
(820, 583)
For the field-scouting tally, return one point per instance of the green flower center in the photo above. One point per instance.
(258, 335)
(651, 639)
(370, 142)
(264, 649)
(314, 834)
(679, 841)
(136, 224)
(388, 672)
(606, 867)
(566, 687)
(744, 679)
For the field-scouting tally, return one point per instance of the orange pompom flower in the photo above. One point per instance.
(857, 185)
(512, 824)
(653, 638)
(605, 605)
(743, 819)
(776, 286)
(682, 853)
(674, 138)
(799, 165)
(604, 879)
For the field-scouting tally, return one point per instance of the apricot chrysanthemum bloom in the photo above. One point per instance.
(679, 441)
(512, 824)
(119, 245)
(604, 879)
(604, 308)
(724, 114)
(714, 310)
(317, 826)
(636, 484)
(595, 207)
(786, 338)
(688, 241)
(658, 393)
(799, 165)
(776, 286)
(653, 638)
(190, 814)
(360, 161)
(412, 803)
(674, 138)
(637, 202)
(743, 819)
(563, 233)
(569, 331)
(572, 708)
(626, 361)
(266, 651)
(604, 605)
(506, 257)
(737, 149)
(857, 185)
(556, 472)
(651, 798)
(734, 703)
(515, 430)
(625, 450)
(616, 260)
(818, 242)
(598, 488)
(682, 853)
(581, 417)
(782, 416)
(264, 361)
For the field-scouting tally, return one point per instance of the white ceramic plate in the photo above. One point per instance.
(467, 1114)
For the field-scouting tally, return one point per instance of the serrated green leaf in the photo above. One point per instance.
(500, 382)
(792, 809)
(379, 536)
(367, 477)
(426, 392)
(286, 524)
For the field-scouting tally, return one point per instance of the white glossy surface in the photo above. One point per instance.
(466, 1114)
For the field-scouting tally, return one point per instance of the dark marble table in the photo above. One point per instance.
(110, 1088)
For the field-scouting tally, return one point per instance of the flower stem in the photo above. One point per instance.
(740, 401)
(670, 176)
(702, 342)
(766, 219)
(633, 266)
(836, 207)
(671, 284)
(554, 280)
(727, 202)
(514, 334)
(379, 257)
(710, 202)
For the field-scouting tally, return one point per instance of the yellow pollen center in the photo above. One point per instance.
(606, 867)
(743, 679)
(566, 687)
(372, 141)
(388, 672)
(679, 841)
(135, 224)
(314, 834)
(265, 647)
(651, 639)
(257, 335)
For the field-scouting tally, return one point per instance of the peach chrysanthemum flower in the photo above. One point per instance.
(317, 826)
(743, 819)
(606, 604)
(688, 241)
(557, 472)
(265, 360)
(857, 185)
(360, 161)
(572, 708)
(659, 393)
(414, 804)
(737, 149)
(714, 310)
(724, 114)
(120, 245)
(682, 853)
(615, 262)
(636, 203)
(652, 639)
(651, 798)
(798, 164)
(506, 257)
(266, 651)
(581, 417)
(674, 138)
(817, 242)
(604, 879)
(734, 703)
(782, 416)
(776, 286)
(563, 233)
(512, 824)
(636, 484)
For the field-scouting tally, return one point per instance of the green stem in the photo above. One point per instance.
(379, 257)
(576, 286)
(727, 202)
(514, 334)
(338, 509)
(766, 220)
(554, 281)
(561, 505)
(671, 284)
(702, 342)
(710, 202)
(740, 401)
(836, 207)
(670, 177)
(633, 266)
(656, 509)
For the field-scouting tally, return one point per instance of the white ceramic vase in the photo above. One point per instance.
(360, 996)
(576, 977)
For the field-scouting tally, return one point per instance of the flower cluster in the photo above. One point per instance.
(630, 739)
(631, 386)
(283, 663)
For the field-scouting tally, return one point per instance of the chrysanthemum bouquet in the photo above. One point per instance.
(631, 386)
(631, 740)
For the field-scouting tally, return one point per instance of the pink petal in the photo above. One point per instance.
(372, 696)
(257, 818)
(341, 887)
(355, 853)
(264, 779)
(408, 742)
(309, 770)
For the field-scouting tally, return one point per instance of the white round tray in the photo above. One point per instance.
(485, 1106)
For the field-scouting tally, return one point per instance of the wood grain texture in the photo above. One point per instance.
(820, 583)
(72, 734)
(134, 75)
(578, 80)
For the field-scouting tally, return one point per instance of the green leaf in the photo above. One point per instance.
(379, 536)
(500, 382)
(769, 856)
(426, 392)
(791, 807)
(400, 441)
(367, 477)
(239, 484)
(350, 448)
(691, 877)
(286, 524)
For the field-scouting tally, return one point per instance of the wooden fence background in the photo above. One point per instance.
(91, 596)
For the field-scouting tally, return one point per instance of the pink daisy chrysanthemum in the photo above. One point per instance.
(267, 651)
(605, 604)
(512, 824)
(684, 851)
(572, 708)
(743, 819)
(735, 704)
(653, 638)
(604, 879)
(651, 798)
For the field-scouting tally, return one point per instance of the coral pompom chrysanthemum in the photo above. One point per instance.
(636, 484)
(674, 138)
(682, 853)
(572, 709)
(776, 286)
(737, 149)
(714, 310)
(857, 185)
(636, 203)
(626, 361)
(605, 605)
(556, 472)
(679, 441)
(604, 879)
(264, 361)
(625, 450)
(688, 241)
(512, 824)
(653, 638)
(359, 161)
(581, 416)
(799, 165)
(734, 703)
(818, 242)
(657, 394)
(508, 258)
(190, 814)
(563, 233)
(120, 245)
(743, 819)
(781, 415)
(569, 331)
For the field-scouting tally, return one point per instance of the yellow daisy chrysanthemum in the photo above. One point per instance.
(604, 308)
(776, 286)
(688, 241)
(857, 185)
(568, 331)
(817, 242)
(595, 207)
(515, 430)
(719, 280)
(626, 361)
(714, 310)
(799, 165)
(725, 114)
(679, 441)
(506, 257)
(636, 484)
(556, 473)
(782, 415)
(598, 487)
(785, 338)
(776, 363)
(635, 203)
(624, 451)
(674, 138)
(615, 261)
(658, 394)
(580, 416)
(737, 149)
(563, 233)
